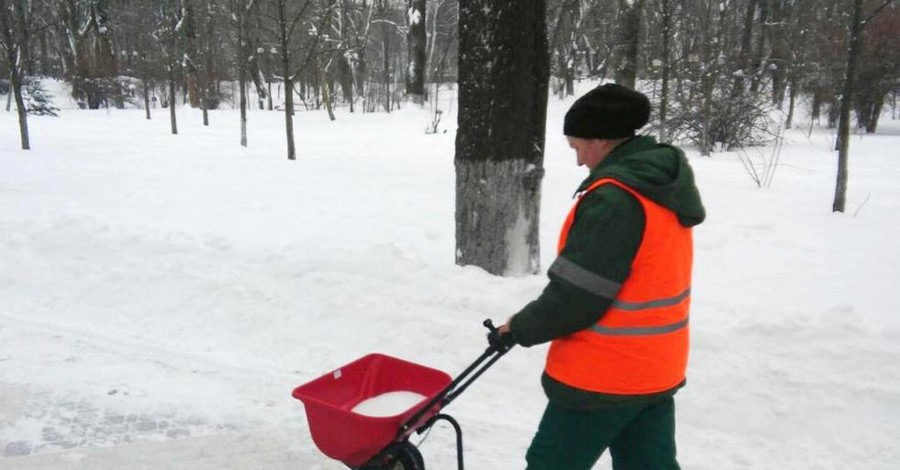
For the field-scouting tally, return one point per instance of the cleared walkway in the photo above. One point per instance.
(273, 449)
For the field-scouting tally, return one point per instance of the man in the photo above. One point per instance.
(616, 306)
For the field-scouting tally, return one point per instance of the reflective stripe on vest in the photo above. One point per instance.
(640, 344)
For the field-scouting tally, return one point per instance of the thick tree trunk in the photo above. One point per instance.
(415, 76)
(503, 80)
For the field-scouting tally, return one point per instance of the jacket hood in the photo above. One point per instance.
(659, 172)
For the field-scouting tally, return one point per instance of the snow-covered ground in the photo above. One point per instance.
(160, 296)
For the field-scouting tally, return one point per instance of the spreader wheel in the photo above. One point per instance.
(398, 456)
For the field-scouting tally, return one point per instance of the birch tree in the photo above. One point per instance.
(240, 11)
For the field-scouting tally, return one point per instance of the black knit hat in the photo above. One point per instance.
(609, 111)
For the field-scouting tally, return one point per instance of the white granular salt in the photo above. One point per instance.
(388, 404)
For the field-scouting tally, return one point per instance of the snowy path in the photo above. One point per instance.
(51, 420)
(265, 450)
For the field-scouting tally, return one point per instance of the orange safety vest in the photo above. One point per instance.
(640, 344)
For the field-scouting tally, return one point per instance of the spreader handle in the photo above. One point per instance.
(496, 349)
(496, 341)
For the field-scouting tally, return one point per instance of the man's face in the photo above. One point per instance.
(589, 152)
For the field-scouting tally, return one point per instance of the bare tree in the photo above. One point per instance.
(138, 36)
(14, 16)
(417, 42)
(564, 43)
(198, 29)
(389, 28)
(240, 11)
(503, 79)
(286, 23)
(879, 67)
(858, 23)
(666, 64)
(170, 18)
(441, 37)
(632, 10)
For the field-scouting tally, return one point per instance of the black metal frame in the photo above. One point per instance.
(497, 347)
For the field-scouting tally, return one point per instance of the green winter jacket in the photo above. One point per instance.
(604, 240)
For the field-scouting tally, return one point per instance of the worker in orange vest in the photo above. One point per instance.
(616, 307)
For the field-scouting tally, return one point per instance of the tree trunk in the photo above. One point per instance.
(172, 119)
(386, 65)
(284, 46)
(147, 97)
(242, 57)
(503, 80)
(12, 49)
(746, 46)
(840, 191)
(759, 53)
(326, 91)
(816, 107)
(415, 77)
(872, 125)
(345, 68)
(289, 117)
(666, 69)
(204, 106)
(626, 75)
(189, 28)
(16, 90)
(792, 99)
(242, 84)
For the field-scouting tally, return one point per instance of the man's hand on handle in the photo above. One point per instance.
(499, 338)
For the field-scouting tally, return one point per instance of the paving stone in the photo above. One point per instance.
(145, 426)
(17, 448)
(177, 433)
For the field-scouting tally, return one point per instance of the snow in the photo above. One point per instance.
(160, 296)
(414, 16)
(388, 404)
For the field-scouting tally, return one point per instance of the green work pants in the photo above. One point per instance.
(638, 437)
